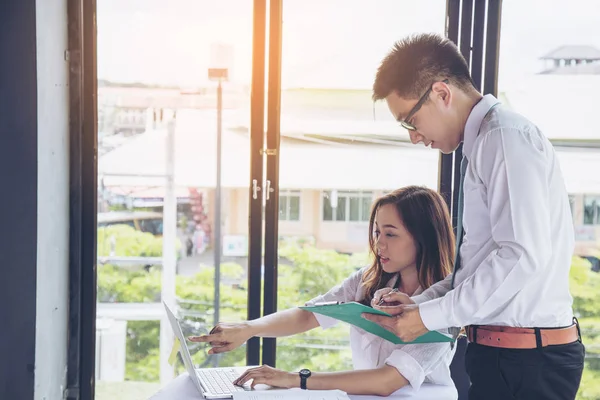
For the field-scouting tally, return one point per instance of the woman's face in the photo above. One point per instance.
(396, 248)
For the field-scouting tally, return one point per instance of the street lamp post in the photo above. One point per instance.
(219, 72)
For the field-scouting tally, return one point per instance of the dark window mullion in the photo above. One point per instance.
(272, 207)
(257, 108)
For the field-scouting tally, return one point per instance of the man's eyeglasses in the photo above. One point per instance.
(407, 125)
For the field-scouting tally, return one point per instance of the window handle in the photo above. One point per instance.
(255, 189)
(269, 189)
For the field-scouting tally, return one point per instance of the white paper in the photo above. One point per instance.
(291, 394)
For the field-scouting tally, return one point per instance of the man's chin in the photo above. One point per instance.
(448, 149)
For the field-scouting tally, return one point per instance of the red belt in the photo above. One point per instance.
(521, 338)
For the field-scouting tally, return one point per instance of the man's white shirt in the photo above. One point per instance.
(519, 237)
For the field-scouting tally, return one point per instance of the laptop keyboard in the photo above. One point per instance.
(219, 380)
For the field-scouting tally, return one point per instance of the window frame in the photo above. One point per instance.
(347, 194)
(288, 194)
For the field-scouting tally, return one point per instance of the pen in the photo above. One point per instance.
(394, 290)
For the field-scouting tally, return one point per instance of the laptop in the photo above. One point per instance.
(213, 383)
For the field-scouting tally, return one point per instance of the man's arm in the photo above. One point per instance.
(512, 166)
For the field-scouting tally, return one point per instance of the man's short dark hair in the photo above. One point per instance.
(416, 62)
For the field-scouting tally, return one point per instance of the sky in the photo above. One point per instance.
(326, 43)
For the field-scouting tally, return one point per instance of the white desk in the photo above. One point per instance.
(182, 388)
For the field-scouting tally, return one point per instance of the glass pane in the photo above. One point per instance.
(551, 76)
(153, 60)
(349, 151)
(327, 209)
(366, 208)
(294, 208)
(591, 210)
(341, 210)
(283, 208)
(355, 204)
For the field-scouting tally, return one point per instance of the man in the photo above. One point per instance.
(512, 271)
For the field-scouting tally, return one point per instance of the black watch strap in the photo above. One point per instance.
(304, 375)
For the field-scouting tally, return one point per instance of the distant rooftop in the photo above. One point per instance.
(579, 52)
(572, 60)
(577, 69)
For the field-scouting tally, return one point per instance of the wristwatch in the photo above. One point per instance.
(304, 375)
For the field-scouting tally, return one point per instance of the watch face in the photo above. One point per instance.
(305, 372)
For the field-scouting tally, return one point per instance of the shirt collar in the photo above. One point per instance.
(474, 121)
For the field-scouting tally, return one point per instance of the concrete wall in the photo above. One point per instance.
(353, 236)
(53, 200)
(340, 236)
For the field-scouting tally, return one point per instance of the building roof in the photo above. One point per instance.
(329, 166)
(579, 69)
(303, 164)
(346, 148)
(564, 108)
(578, 52)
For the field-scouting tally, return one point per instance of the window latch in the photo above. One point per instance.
(269, 152)
(269, 189)
(255, 189)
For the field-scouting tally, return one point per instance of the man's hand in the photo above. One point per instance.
(406, 324)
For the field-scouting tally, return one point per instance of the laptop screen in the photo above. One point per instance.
(185, 353)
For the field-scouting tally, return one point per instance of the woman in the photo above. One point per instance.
(412, 245)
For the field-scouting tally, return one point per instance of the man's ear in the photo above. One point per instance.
(442, 92)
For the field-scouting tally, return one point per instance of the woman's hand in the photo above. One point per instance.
(225, 337)
(269, 376)
(379, 294)
(392, 301)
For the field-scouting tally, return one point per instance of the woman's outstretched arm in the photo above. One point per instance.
(228, 336)
(284, 323)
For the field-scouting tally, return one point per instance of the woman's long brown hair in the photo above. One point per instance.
(425, 215)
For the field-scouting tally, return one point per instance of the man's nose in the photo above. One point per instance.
(415, 137)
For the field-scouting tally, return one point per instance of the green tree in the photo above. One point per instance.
(126, 241)
(195, 293)
(585, 288)
(304, 273)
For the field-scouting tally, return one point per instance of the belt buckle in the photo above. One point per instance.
(578, 329)
(456, 333)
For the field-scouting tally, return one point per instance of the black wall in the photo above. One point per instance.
(18, 198)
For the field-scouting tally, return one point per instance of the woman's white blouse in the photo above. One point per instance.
(418, 363)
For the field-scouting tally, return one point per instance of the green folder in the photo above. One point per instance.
(351, 313)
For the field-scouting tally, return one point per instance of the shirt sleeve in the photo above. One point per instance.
(415, 362)
(436, 290)
(346, 292)
(512, 166)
